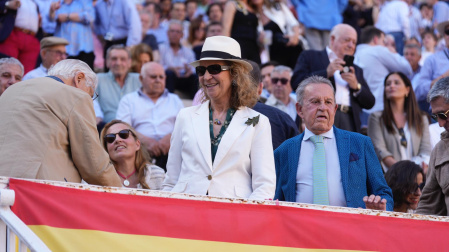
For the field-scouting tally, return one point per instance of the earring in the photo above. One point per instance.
(406, 95)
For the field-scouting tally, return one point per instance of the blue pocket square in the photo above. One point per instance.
(353, 157)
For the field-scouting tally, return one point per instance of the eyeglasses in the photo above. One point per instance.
(95, 96)
(59, 53)
(403, 139)
(420, 186)
(283, 81)
(212, 69)
(123, 134)
(442, 116)
(446, 32)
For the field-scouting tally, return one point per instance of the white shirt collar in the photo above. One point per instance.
(308, 134)
(330, 54)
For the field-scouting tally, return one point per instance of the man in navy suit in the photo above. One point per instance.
(347, 160)
(352, 92)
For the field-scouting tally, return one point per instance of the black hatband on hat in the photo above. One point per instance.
(218, 54)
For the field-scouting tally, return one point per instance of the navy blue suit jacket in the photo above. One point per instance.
(315, 63)
(361, 173)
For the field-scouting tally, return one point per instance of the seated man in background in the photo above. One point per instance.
(175, 59)
(152, 111)
(326, 165)
(281, 90)
(282, 126)
(11, 72)
(115, 84)
(52, 51)
(50, 121)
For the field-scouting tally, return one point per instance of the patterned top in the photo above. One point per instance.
(215, 141)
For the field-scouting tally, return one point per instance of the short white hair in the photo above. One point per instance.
(68, 68)
(11, 61)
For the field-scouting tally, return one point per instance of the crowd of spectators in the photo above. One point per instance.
(381, 59)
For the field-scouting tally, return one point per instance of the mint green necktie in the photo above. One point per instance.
(320, 194)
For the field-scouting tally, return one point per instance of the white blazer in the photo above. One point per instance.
(244, 163)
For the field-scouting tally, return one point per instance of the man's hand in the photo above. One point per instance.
(164, 144)
(293, 40)
(375, 202)
(350, 78)
(55, 6)
(151, 144)
(13, 4)
(336, 65)
(62, 18)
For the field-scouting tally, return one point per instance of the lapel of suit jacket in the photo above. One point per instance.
(325, 62)
(344, 151)
(234, 130)
(293, 160)
(200, 121)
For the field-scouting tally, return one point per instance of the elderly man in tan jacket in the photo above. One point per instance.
(48, 130)
(435, 195)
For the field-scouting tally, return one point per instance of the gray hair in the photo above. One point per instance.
(68, 68)
(175, 21)
(281, 69)
(310, 81)
(439, 89)
(118, 47)
(11, 61)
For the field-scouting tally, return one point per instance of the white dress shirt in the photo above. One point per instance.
(342, 88)
(27, 16)
(290, 108)
(304, 177)
(41, 71)
(154, 120)
(394, 17)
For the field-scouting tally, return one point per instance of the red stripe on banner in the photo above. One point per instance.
(40, 204)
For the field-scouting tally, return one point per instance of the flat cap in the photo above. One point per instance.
(52, 41)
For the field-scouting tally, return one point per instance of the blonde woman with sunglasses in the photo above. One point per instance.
(129, 157)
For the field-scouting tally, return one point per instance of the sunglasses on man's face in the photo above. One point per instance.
(442, 116)
(123, 134)
(403, 138)
(283, 81)
(212, 69)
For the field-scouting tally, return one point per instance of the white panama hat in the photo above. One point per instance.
(221, 48)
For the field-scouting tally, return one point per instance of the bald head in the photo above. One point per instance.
(152, 77)
(343, 39)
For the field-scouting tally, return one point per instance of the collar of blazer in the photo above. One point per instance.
(200, 121)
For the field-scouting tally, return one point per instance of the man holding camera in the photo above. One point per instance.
(335, 63)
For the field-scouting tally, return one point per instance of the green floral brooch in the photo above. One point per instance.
(254, 121)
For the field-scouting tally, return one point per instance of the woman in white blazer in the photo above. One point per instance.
(222, 147)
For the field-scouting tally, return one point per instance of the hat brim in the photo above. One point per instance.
(240, 61)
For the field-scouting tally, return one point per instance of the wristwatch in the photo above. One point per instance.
(359, 86)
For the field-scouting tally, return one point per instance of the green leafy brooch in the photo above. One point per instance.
(254, 121)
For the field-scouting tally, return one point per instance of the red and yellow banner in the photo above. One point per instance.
(69, 219)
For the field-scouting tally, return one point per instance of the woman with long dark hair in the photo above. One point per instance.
(406, 180)
(401, 130)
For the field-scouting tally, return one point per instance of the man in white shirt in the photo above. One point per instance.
(394, 19)
(377, 61)
(152, 111)
(281, 90)
(52, 51)
(326, 165)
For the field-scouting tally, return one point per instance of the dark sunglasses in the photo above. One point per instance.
(283, 81)
(442, 116)
(403, 139)
(123, 134)
(446, 32)
(420, 186)
(212, 69)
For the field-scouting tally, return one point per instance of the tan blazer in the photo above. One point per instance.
(244, 163)
(48, 131)
(387, 144)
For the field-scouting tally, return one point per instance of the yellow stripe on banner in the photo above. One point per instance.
(61, 239)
